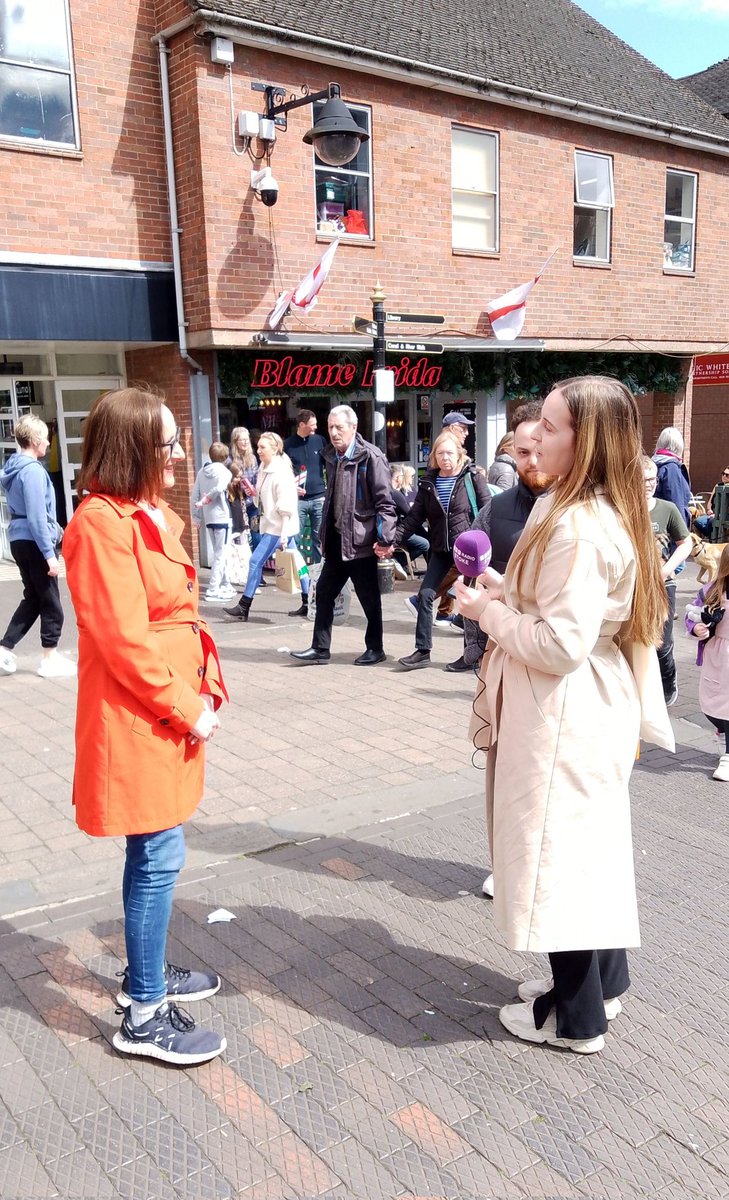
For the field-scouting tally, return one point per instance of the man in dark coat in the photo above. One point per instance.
(358, 516)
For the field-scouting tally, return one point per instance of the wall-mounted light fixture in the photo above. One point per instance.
(335, 135)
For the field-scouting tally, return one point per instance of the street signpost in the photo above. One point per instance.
(414, 347)
(362, 325)
(413, 319)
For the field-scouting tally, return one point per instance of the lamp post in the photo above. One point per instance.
(378, 354)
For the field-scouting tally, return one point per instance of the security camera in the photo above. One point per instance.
(265, 186)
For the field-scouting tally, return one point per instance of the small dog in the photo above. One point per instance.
(706, 555)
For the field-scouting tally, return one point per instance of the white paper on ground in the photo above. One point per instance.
(220, 914)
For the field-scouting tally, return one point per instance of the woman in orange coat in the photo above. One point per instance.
(149, 684)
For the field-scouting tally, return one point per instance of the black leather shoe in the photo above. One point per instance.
(369, 658)
(311, 655)
(459, 665)
(419, 658)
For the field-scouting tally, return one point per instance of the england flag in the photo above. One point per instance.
(508, 312)
(306, 294)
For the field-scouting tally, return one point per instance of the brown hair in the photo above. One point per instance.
(248, 459)
(304, 415)
(530, 410)
(506, 443)
(608, 455)
(718, 588)
(446, 436)
(121, 451)
(218, 452)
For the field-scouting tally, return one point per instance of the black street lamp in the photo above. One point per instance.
(335, 135)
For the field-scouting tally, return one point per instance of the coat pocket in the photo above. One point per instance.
(363, 529)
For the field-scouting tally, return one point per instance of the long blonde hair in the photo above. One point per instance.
(277, 443)
(717, 590)
(609, 456)
(247, 459)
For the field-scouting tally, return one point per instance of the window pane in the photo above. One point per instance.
(474, 225)
(678, 244)
(679, 194)
(342, 204)
(34, 31)
(36, 104)
(87, 364)
(592, 230)
(593, 184)
(361, 117)
(473, 161)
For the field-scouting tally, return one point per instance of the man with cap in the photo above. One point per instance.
(457, 423)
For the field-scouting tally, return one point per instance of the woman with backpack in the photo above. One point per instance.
(449, 498)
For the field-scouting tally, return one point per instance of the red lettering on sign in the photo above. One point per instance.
(284, 373)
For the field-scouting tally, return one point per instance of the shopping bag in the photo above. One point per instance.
(300, 564)
(287, 575)
(239, 558)
(342, 604)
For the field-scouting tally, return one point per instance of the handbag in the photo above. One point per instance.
(239, 559)
(342, 604)
(287, 574)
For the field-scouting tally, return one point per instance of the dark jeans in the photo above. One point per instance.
(665, 650)
(312, 507)
(583, 981)
(439, 564)
(334, 574)
(41, 598)
(416, 545)
(723, 727)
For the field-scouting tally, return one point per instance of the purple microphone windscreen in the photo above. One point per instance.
(471, 555)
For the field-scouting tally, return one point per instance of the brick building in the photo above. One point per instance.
(485, 154)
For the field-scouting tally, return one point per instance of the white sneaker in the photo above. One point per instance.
(228, 593)
(8, 662)
(57, 667)
(519, 1020)
(400, 570)
(722, 770)
(531, 988)
(488, 890)
(218, 597)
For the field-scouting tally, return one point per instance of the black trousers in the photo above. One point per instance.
(439, 564)
(41, 598)
(334, 574)
(665, 650)
(583, 981)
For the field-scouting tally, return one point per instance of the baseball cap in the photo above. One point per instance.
(456, 418)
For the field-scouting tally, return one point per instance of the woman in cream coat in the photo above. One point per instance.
(278, 501)
(570, 683)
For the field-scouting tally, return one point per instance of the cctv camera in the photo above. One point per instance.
(265, 186)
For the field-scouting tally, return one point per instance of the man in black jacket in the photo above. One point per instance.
(306, 448)
(358, 516)
(504, 516)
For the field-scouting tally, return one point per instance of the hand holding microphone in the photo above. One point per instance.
(471, 556)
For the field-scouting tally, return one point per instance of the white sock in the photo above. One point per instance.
(139, 1013)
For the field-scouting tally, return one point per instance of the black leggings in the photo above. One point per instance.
(583, 980)
(723, 726)
(41, 598)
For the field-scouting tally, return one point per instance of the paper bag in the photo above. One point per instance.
(287, 575)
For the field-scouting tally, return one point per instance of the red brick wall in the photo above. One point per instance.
(710, 436)
(412, 253)
(110, 200)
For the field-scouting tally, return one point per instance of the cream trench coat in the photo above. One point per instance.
(563, 710)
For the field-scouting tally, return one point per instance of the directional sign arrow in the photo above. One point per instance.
(362, 325)
(414, 347)
(413, 319)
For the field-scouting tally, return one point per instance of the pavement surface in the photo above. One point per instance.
(343, 827)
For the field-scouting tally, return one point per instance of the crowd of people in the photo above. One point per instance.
(570, 631)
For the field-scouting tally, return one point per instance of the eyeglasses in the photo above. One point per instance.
(175, 441)
(724, 473)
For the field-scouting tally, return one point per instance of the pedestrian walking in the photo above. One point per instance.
(673, 543)
(35, 536)
(673, 477)
(305, 449)
(562, 710)
(705, 621)
(149, 687)
(358, 523)
(210, 507)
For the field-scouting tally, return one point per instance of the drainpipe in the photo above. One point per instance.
(164, 51)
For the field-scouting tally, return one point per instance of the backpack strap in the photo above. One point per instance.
(471, 493)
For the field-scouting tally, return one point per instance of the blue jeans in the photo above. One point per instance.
(153, 862)
(704, 525)
(267, 546)
(312, 508)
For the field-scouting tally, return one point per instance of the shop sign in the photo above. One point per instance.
(711, 368)
(339, 377)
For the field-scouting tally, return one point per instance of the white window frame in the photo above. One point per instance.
(42, 143)
(579, 202)
(671, 267)
(493, 137)
(346, 170)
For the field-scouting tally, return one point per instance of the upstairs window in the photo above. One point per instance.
(679, 221)
(475, 191)
(37, 102)
(344, 194)
(594, 202)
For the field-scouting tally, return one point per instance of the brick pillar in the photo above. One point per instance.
(162, 368)
(675, 410)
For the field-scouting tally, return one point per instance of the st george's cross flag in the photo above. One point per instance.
(306, 294)
(508, 312)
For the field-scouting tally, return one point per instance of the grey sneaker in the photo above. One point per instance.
(170, 1035)
(181, 985)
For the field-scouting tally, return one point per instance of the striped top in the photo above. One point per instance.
(444, 485)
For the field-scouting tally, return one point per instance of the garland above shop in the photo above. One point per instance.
(524, 373)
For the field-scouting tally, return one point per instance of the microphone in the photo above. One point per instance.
(471, 555)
